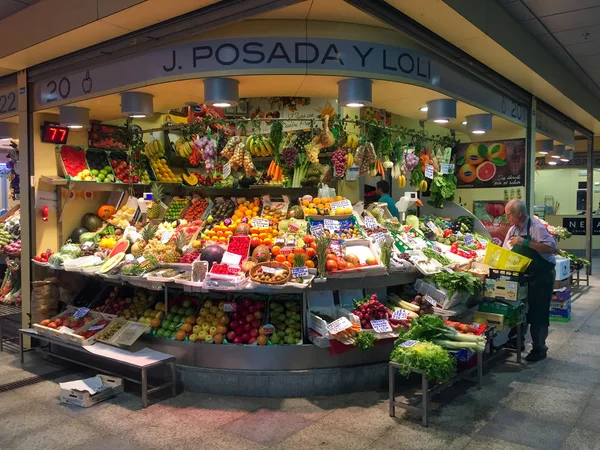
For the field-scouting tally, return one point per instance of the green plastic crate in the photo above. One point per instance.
(510, 311)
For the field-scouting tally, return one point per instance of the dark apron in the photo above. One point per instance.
(541, 286)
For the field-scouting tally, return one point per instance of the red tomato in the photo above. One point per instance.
(311, 253)
(331, 265)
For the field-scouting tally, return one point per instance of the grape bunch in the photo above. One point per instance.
(222, 142)
(339, 162)
(289, 156)
(209, 153)
(312, 153)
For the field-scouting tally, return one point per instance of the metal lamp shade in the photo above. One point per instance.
(559, 151)
(137, 104)
(355, 92)
(547, 146)
(74, 116)
(8, 130)
(221, 92)
(479, 123)
(441, 110)
(567, 155)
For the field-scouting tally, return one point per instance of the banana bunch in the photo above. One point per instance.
(259, 146)
(351, 141)
(184, 148)
(398, 171)
(349, 160)
(401, 181)
(154, 150)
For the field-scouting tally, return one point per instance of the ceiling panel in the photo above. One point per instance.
(579, 35)
(572, 20)
(10, 7)
(519, 11)
(543, 8)
(584, 49)
(535, 27)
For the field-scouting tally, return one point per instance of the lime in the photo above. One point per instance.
(95, 172)
(101, 177)
(107, 169)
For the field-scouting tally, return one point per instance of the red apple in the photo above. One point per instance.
(252, 340)
(239, 331)
(245, 337)
(251, 309)
(260, 305)
(238, 340)
(247, 327)
(234, 324)
(230, 336)
(254, 332)
(247, 303)
(256, 323)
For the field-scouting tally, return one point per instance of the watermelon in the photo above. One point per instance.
(76, 234)
(91, 221)
(111, 262)
(121, 247)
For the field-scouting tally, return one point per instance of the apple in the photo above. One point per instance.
(252, 340)
(234, 324)
(202, 334)
(250, 317)
(371, 261)
(247, 302)
(245, 337)
(235, 316)
(213, 330)
(193, 337)
(237, 340)
(208, 337)
(256, 323)
(260, 305)
(247, 327)
(205, 327)
(197, 329)
(230, 336)
(252, 309)
(254, 332)
(239, 331)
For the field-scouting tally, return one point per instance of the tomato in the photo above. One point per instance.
(290, 257)
(280, 258)
(313, 245)
(311, 253)
(331, 265)
(309, 264)
(308, 239)
(342, 264)
(255, 242)
(298, 250)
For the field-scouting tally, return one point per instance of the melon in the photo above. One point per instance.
(486, 171)
(296, 212)
(242, 228)
(76, 234)
(121, 247)
(212, 254)
(261, 253)
(112, 262)
(91, 221)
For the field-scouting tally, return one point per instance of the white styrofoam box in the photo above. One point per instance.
(440, 295)
(348, 295)
(81, 396)
(563, 268)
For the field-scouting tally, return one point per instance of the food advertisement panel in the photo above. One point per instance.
(492, 216)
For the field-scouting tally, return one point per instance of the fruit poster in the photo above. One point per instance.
(302, 111)
(492, 164)
(492, 216)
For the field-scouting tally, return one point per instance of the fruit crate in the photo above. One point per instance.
(441, 295)
(107, 137)
(55, 332)
(99, 323)
(351, 220)
(509, 311)
(185, 201)
(294, 302)
(125, 336)
(60, 163)
(364, 271)
(97, 159)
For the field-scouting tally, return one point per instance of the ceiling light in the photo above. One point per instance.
(569, 154)
(355, 92)
(137, 105)
(464, 122)
(441, 110)
(552, 163)
(479, 123)
(423, 108)
(8, 131)
(221, 92)
(559, 151)
(74, 117)
(546, 146)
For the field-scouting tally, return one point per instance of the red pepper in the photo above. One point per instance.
(447, 232)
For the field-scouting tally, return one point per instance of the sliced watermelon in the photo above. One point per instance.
(111, 262)
(121, 247)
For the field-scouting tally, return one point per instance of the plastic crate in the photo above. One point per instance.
(509, 311)
(501, 258)
(508, 275)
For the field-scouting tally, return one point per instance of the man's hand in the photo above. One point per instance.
(515, 240)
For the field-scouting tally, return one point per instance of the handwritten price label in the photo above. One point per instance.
(371, 223)
(271, 270)
(447, 168)
(331, 225)
(379, 237)
(428, 171)
(299, 272)
(166, 237)
(431, 226)
(96, 327)
(226, 170)
(430, 300)
(81, 312)
(381, 326)
(293, 227)
(338, 325)
(483, 242)
(317, 230)
(257, 222)
(400, 314)
(231, 259)
(408, 344)
(342, 204)
(469, 239)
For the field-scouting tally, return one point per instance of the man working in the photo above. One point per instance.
(383, 192)
(530, 238)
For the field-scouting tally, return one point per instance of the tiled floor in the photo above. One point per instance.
(554, 404)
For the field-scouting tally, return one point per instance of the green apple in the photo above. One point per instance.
(192, 338)
(205, 327)
(197, 329)
(212, 330)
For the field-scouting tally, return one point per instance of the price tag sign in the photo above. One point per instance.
(96, 327)
(430, 300)
(400, 314)
(342, 204)
(458, 234)
(379, 237)
(381, 326)
(408, 344)
(469, 239)
(429, 171)
(231, 259)
(257, 222)
(447, 168)
(272, 270)
(337, 247)
(166, 237)
(475, 326)
(483, 242)
(293, 227)
(299, 272)
(286, 250)
(331, 225)
(338, 325)
(226, 170)
(371, 223)
(229, 307)
(317, 230)
(140, 260)
(81, 312)
(433, 227)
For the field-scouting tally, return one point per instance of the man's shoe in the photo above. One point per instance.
(535, 356)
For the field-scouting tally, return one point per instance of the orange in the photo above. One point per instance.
(219, 233)
(280, 258)
(242, 209)
(311, 252)
(256, 202)
(228, 233)
(290, 258)
(298, 250)
(316, 201)
(268, 242)
(309, 264)
(275, 250)
(262, 235)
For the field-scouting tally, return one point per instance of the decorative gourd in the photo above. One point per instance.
(106, 211)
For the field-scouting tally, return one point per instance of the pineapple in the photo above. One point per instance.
(157, 196)
(180, 241)
(149, 232)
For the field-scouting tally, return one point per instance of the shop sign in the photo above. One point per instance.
(491, 164)
(9, 101)
(579, 160)
(578, 225)
(273, 55)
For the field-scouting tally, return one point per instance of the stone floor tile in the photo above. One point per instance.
(321, 436)
(583, 440)
(26, 417)
(594, 398)
(302, 406)
(408, 435)
(590, 419)
(522, 429)
(487, 443)
(60, 434)
(266, 427)
(368, 422)
(107, 443)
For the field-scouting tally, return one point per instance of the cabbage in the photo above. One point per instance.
(87, 237)
(58, 259)
(71, 250)
(412, 221)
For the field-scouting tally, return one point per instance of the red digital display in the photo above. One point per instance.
(54, 134)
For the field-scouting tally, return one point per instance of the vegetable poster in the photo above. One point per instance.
(492, 216)
(492, 164)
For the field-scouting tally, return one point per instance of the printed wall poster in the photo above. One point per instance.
(493, 218)
(496, 164)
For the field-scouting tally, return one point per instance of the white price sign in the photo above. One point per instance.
(272, 270)
(381, 326)
(341, 204)
(96, 327)
(483, 242)
(400, 314)
(430, 300)
(379, 237)
(257, 222)
(166, 237)
(338, 325)
(317, 230)
(293, 227)
(229, 307)
(433, 227)
(371, 223)
(298, 272)
(429, 171)
(447, 168)
(331, 225)
(409, 344)
(81, 313)
(469, 239)
(226, 170)
(231, 259)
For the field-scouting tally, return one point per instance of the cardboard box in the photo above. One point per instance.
(505, 290)
(562, 283)
(492, 319)
(90, 391)
(563, 268)
(561, 315)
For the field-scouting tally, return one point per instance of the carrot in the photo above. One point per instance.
(277, 173)
(271, 167)
(380, 169)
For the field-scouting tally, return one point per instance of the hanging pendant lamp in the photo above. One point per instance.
(221, 92)
(559, 151)
(442, 110)
(479, 123)
(137, 104)
(355, 92)
(547, 146)
(74, 117)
